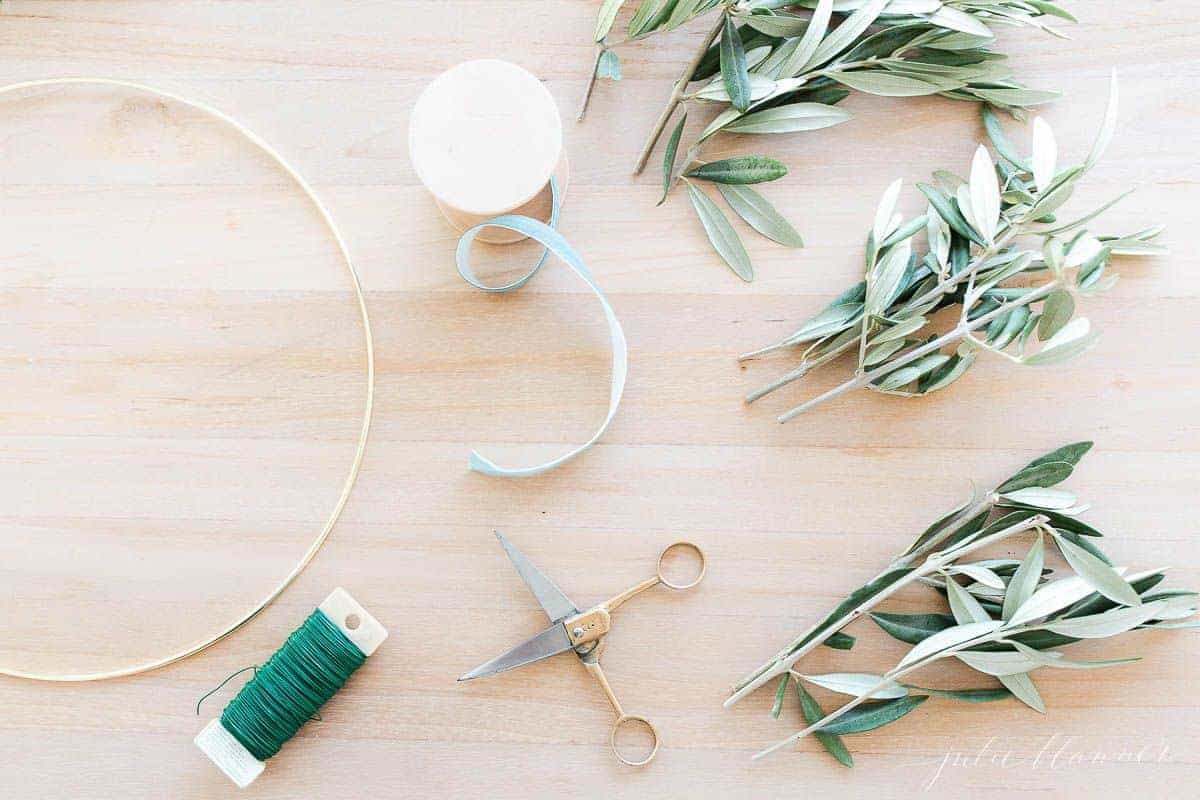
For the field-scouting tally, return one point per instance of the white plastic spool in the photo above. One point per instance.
(231, 755)
(485, 137)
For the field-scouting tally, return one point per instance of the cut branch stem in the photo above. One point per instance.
(677, 91)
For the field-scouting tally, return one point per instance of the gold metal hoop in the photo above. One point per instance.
(355, 465)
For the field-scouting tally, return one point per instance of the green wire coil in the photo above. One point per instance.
(312, 665)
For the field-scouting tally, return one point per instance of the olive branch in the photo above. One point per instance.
(1007, 621)
(768, 70)
(1007, 291)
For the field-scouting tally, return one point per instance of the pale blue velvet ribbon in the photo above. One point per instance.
(553, 242)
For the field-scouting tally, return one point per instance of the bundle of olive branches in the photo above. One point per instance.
(1008, 620)
(776, 71)
(1008, 292)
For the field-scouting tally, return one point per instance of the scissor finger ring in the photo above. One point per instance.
(682, 546)
(627, 720)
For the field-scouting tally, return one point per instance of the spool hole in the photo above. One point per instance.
(352, 621)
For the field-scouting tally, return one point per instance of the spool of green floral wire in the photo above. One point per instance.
(312, 665)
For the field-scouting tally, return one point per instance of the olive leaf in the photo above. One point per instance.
(888, 84)
(1023, 688)
(856, 683)
(831, 742)
(1045, 154)
(1100, 576)
(780, 693)
(721, 234)
(789, 118)
(967, 695)
(606, 17)
(870, 716)
(759, 214)
(1025, 580)
(669, 156)
(740, 170)
(733, 67)
(965, 607)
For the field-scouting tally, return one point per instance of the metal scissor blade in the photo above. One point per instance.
(549, 642)
(556, 604)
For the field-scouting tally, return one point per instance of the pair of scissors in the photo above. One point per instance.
(582, 632)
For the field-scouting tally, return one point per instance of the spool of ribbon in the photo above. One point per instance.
(486, 139)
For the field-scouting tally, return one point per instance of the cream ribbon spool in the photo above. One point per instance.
(485, 137)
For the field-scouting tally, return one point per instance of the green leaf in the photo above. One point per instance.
(777, 709)
(951, 637)
(869, 716)
(847, 33)
(1096, 603)
(721, 234)
(739, 169)
(1000, 141)
(638, 24)
(912, 628)
(781, 26)
(997, 663)
(949, 372)
(1015, 97)
(1050, 658)
(948, 210)
(943, 522)
(985, 194)
(1052, 597)
(1023, 688)
(900, 330)
(1100, 576)
(1070, 454)
(1037, 474)
(1047, 7)
(733, 66)
(914, 371)
(761, 87)
(669, 156)
(886, 277)
(1108, 623)
(965, 608)
(812, 714)
(818, 25)
(1074, 338)
(955, 20)
(840, 641)
(859, 596)
(857, 684)
(606, 17)
(1107, 127)
(1024, 581)
(1040, 498)
(789, 118)
(759, 214)
(887, 84)
(1056, 313)
(966, 695)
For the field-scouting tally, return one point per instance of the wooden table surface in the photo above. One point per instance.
(183, 376)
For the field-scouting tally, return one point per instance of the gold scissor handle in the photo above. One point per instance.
(592, 662)
(660, 577)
